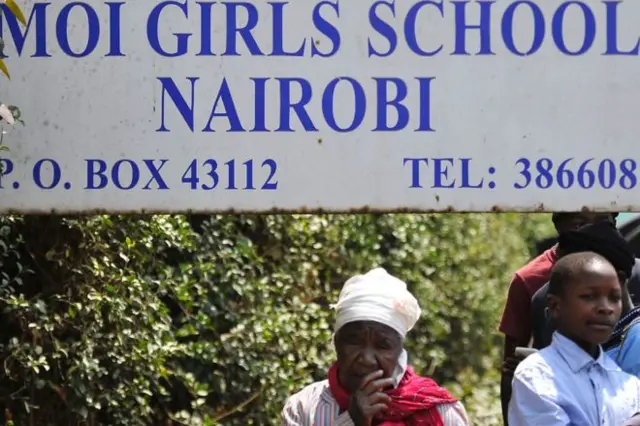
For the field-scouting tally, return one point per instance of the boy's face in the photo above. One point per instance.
(589, 307)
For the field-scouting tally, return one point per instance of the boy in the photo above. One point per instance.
(572, 382)
(602, 238)
(516, 318)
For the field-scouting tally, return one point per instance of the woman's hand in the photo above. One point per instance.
(369, 400)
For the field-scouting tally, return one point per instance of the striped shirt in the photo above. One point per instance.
(315, 406)
(563, 385)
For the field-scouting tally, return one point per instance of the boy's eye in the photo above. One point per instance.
(588, 296)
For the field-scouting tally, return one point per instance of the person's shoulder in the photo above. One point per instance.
(538, 269)
(541, 294)
(536, 366)
(453, 414)
(302, 403)
(536, 374)
(308, 393)
(541, 263)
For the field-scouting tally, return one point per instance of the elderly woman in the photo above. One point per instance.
(371, 382)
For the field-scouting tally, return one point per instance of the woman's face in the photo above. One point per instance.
(364, 347)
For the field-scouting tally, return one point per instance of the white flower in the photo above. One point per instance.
(5, 112)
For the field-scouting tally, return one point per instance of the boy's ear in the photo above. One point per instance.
(553, 305)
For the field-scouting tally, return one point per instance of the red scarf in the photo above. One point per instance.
(415, 400)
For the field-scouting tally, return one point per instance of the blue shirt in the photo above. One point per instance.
(562, 385)
(627, 355)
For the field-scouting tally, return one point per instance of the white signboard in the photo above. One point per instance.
(332, 105)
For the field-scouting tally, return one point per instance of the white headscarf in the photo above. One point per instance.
(380, 297)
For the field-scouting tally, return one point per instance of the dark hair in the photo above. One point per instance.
(602, 238)
(560, 217)
(557, 218)
(571, 267)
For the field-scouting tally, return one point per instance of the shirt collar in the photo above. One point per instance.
(326, 394)
(577, 358)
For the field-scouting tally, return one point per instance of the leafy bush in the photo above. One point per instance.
(164, 320)
(8, 114)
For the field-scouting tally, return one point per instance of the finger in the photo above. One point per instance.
(377, 385)
(370, 377)
(378, 398)
(374, 410)
(384, 383)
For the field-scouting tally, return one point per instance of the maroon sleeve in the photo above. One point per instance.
(516, 317)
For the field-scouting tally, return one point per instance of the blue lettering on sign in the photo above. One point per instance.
(223, 106)
(612, 31)
(558, 28)
(442, 173)
(207, 175)
(386, 39)
(40, 17)
(148, 175)
(432, 173)
(126, 174)
(508, 27)
(311, 102)
(62, 25)
(6, 168)
(53, 180)
(532, 174)
(242, 19)
(569, 173)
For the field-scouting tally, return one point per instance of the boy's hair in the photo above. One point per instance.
(570, 268)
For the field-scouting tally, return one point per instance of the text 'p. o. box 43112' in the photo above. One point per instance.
(332, 105)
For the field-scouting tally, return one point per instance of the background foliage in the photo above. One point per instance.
(112, 320)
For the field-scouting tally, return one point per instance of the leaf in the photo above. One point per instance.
(15, 9)
(4, 69)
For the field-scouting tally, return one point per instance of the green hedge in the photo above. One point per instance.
(215, 320)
